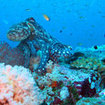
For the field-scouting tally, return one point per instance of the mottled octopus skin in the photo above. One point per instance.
(33, 37)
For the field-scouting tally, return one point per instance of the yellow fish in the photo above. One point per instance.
(27, 10)
(46, 17)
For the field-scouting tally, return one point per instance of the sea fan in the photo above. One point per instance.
(12, 56)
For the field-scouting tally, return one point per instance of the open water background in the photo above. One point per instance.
(73, 22)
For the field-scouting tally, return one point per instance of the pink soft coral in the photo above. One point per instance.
(17, 86)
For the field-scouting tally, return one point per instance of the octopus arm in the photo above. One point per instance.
(31, 47)
(44, 58)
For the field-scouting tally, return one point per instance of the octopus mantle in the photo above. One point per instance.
(32, 38)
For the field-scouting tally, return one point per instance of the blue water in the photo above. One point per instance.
(73, 22)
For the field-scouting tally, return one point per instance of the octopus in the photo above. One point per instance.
(32, 38)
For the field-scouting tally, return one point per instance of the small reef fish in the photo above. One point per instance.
(27, 10)
(81, 17)
(46, 17)
(79, 44)
(60, 31)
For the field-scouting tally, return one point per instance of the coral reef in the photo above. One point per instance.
(43, 71)
(93, 59)
(63, 86)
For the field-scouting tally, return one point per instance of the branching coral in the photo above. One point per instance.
(17, 86)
